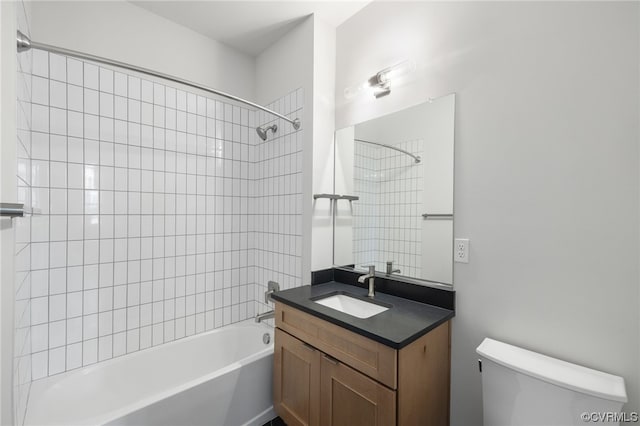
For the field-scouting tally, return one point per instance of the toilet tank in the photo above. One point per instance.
(521, 387)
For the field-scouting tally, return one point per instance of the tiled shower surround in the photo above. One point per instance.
(163, 213)
(387, 217)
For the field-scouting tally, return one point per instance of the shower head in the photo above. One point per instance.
(262, 131)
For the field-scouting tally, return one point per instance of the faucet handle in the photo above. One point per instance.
(272, 287)
(372, 269)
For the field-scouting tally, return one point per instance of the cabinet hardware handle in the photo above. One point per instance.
(308, 346)
(331, 359)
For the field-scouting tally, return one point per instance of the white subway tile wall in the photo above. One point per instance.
(365, 178)
(276, 201)
(164, 213)
(26, 150)
(387, 218)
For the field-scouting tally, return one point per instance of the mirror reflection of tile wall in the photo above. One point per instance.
(386, 223)
(386, 218)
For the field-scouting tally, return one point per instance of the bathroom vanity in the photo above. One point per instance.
(332, 368)
(341, 357)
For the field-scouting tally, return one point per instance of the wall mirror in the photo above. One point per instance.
(394, 178)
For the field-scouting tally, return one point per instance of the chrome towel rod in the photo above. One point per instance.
(25, 43)
(336, 197)
(437, 216)
(416, 158)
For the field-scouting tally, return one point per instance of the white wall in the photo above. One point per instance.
(344, 161)
(437, 241)
(546, 162)
(285, 66)
(122, 31)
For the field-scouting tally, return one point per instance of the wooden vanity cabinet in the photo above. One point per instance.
(327, 375)
(297, 367)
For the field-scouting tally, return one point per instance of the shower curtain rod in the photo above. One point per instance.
(25, 43)
(415, 157)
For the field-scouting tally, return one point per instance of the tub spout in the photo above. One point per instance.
(265, 315)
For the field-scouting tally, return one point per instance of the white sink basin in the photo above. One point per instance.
(352, 306)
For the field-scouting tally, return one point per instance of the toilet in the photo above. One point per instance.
(522, 387)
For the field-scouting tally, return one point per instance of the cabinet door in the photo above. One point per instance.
(296, 381)
(349, 398)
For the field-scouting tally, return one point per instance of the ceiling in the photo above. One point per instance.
(249, 26)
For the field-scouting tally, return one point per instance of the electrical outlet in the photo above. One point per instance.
(461, 250)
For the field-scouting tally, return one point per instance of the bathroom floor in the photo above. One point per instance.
(275, 422)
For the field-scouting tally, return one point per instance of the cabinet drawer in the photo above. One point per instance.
(368, 356)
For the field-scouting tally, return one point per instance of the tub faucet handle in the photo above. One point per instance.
(272, 287)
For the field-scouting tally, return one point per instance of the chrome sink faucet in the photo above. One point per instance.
(371, 277)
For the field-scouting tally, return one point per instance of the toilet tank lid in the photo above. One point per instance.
(552, 370)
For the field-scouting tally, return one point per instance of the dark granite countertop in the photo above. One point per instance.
(404, 321)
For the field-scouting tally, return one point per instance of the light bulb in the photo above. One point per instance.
(396, 71)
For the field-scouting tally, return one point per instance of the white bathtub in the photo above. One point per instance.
(222, 377)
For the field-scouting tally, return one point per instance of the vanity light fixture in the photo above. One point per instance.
(380, 83)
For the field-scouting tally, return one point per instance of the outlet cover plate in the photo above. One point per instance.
(461, 250)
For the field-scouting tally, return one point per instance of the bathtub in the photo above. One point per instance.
(222, 377)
